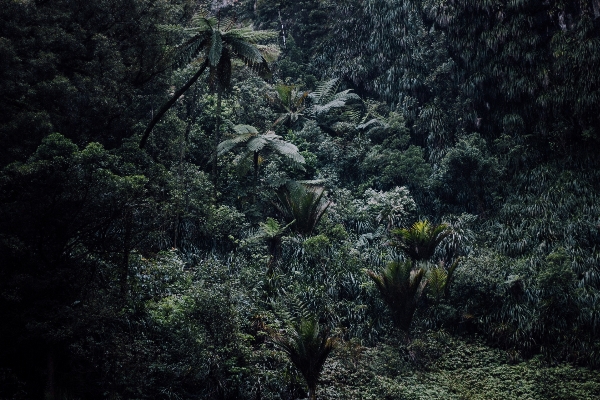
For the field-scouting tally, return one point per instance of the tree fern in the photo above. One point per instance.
(219, 42)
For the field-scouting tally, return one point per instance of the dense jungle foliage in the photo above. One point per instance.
(260, 199)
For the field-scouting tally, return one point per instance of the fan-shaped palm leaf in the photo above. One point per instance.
(308, 348)
(303, 204)
(421, 239)
(401, 288)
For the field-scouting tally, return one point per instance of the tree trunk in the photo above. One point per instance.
(256, 158)
(49, 391)
(170, 103)
(312, 392)
(216, 144)
(181, 181)
(126, 252)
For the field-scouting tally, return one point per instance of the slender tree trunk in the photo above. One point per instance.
(216, 144)
(49, 391)
(256, 159)
(170, 103)
(182, 150)
(312, 393)
(126, 251)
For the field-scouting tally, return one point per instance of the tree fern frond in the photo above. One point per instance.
(288, 150)
(346, 95)
(202, 22)
(325, 90)
(369, 124)
(248, 35)
(168, 28)
(245, 129)
(246, 51)
(319, 109)
(226, 145)
(216, 48)
(256, 144)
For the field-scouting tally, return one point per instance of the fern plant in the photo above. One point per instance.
(213, 43)
(255, 143)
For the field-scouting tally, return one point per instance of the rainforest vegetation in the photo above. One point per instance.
(260, 199)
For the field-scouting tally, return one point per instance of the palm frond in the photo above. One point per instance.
(421, 239)
(269, 52)
(308, 347)
(400, 287)
(304, 204)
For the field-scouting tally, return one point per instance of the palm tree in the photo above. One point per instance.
(401, 288)
(439, 279)
(214, 43)
(303, 204)
(255, 143)
(308, 348)
(421, 239)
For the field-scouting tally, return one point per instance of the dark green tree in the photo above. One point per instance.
(308, 347)
(304, 204)
(421, 239)
(214, 43)
(400, 287)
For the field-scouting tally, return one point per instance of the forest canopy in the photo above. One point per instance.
(288, 199)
